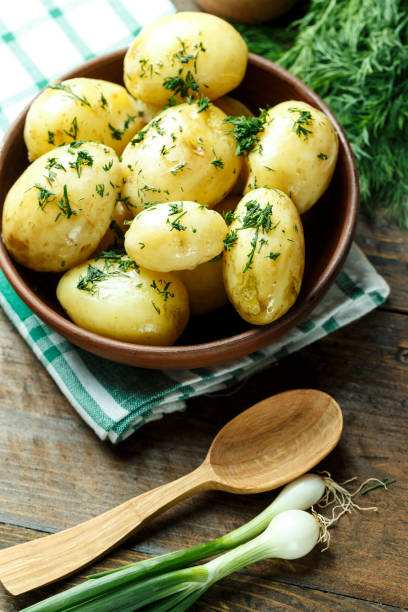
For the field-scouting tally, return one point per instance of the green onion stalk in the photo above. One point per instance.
(124, 582)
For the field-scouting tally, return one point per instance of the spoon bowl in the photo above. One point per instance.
(262, 448)
(275, 441)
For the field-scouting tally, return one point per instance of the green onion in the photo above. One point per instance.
(299, 494)
(290, 535)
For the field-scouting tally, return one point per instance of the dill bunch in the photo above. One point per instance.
(354, 54)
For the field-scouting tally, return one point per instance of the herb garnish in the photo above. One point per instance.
(203, 103)
(299, 125)
(82, 159)
(179, 85)
(217, 162)
(103, 101)
(73, 129)
(323, 156)
(68, 91)
(178, 167)
(100, 189)
(108, 166)
(229, 216)
(54, 163)
(116, 133)
(51, 137)
(44, 196)
(65, 206)
(176, 209)
(246, 131)
(230, 239)
(165, 291)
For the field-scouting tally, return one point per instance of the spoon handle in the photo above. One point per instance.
(33, 564)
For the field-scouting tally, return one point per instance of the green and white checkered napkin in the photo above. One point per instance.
(115, 399)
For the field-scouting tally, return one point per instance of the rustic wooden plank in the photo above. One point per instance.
(386, 246)
(48, 485)
(236, 593)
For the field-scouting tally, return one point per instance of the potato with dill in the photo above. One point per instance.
(175, 236)
(58, 210)
(83, 109)
(296, 151)
(112, 296)
(185, 54)
(264, 256)
(185, 153)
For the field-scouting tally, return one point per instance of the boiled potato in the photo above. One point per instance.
(185, 54)
(205, 286)
(186, 153)
(265, 256)
(297, 153)
(232, 107)
(116, 298)
(84, 109)
(175, 236)
(58, 210)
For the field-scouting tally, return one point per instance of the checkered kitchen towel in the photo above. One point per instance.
(115, 399)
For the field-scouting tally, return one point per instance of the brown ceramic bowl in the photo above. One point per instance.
(222, 335)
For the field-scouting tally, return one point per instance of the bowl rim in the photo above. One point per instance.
(216, 351)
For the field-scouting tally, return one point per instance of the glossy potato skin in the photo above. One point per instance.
(175, 236)
(297, 153)
(130, 303)
(205, 286)
(84, 109)
(53, 218)
(183, 154)
(263, 289)
(198, 48)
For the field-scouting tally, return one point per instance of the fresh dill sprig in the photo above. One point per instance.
(354, 54)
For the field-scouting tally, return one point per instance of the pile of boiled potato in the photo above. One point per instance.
(168, 198)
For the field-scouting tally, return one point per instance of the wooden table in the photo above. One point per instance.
(56, 473)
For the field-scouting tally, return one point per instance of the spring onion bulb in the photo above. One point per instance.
(300, 494)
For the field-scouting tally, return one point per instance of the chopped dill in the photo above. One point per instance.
(100, 189)
(203, 103)
(163, 292)
(44, 196)
(230, 240)
(82, 159)
(177, 168)
(246, 131)
(73, 129)
(65, 206)
(229, 216)
(323, 156)
(108, 166)
(70, 94)
(103, 101)
(299, 125)
(181, 86)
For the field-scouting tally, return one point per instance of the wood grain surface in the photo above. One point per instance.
(55, 473)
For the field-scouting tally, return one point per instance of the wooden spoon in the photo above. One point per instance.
(264, 447)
